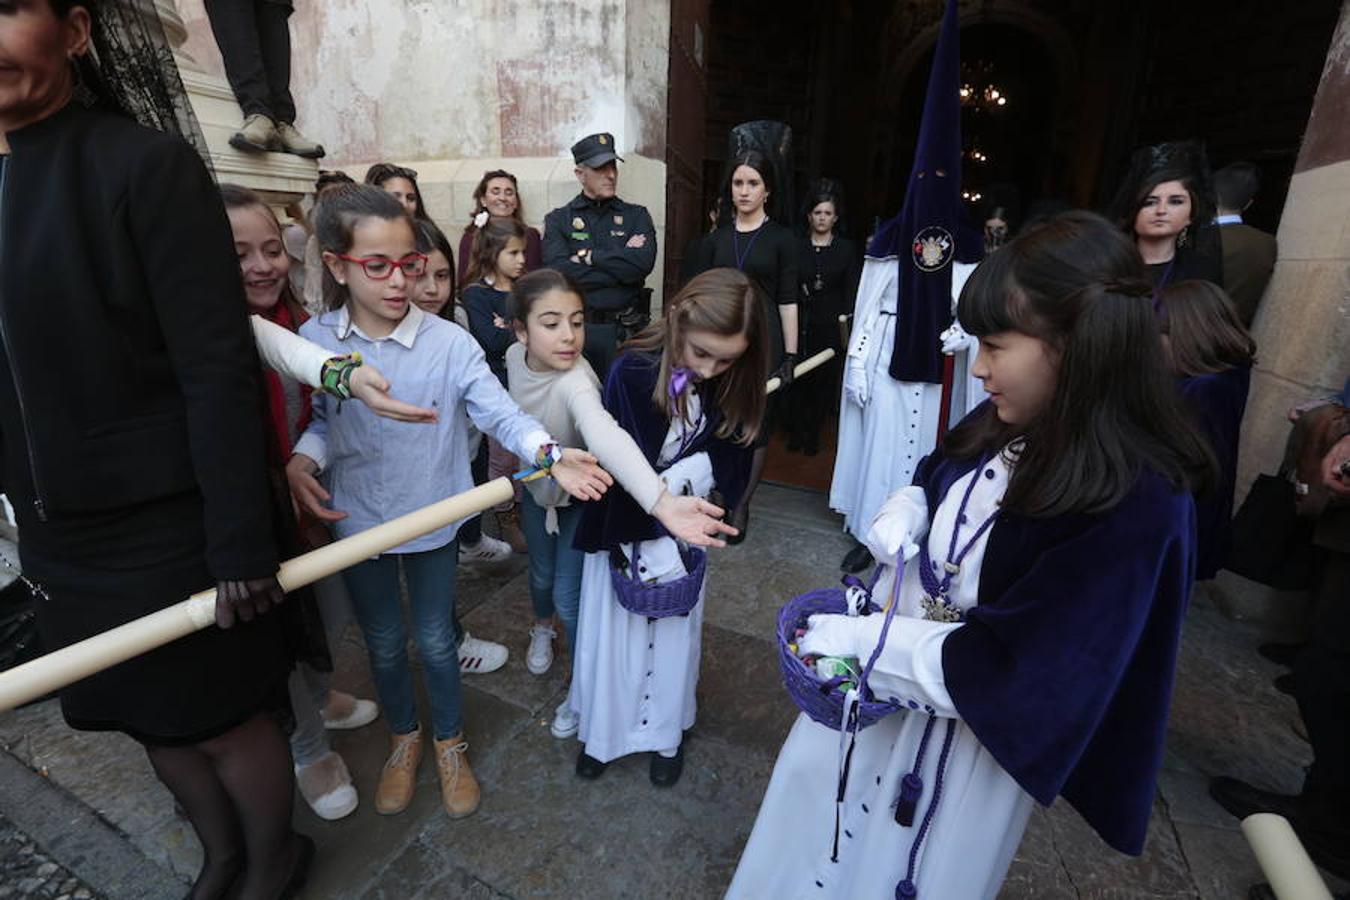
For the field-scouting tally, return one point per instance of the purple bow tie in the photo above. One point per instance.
(679, 380)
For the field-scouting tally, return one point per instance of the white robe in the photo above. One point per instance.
(982, 812)
(633, 680)
(887, 426)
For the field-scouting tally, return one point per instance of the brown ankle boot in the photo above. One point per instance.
(508, 526)
(399, 776)
(459, 789)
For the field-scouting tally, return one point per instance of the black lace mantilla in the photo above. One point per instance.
(132, 69)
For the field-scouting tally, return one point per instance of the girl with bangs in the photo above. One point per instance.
(1049, 552)
(690, 390)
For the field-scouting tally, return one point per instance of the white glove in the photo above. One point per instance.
(828, 634)
(692, 475)
(955, 339)
(901, 522)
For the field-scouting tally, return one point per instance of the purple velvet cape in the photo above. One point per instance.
(1064, 668)
(616, 518)
(1217, 401)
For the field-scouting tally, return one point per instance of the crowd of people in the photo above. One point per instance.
(346, 368)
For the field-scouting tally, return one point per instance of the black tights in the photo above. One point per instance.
(741, 515)
(237, 790)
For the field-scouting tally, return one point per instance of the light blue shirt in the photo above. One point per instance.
(378, 469)
(1228, 219)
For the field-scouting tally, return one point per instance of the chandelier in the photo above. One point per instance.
(978, 90)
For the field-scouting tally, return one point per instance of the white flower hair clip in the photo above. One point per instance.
(481, 219)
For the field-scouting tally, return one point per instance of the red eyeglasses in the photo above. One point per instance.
(379, 268)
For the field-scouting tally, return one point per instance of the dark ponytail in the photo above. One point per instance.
(339, 211)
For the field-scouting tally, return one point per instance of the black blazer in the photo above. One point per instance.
(126, 329)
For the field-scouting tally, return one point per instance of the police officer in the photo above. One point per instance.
(606, 245)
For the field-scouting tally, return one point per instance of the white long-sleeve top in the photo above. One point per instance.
(568, 405)
(287, 353)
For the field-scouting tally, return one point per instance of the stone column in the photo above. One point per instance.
(1303, 326)
(280, 177)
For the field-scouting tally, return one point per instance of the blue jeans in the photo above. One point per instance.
(431, 588)
(555, 565)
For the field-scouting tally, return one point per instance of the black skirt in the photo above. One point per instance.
(105, 569)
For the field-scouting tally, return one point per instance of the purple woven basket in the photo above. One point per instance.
(669, 598)
(819, 699)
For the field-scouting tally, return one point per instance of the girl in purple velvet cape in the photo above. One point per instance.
(691, 393)
(1211, 353)
(1050, 550)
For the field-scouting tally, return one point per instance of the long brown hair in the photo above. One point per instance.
(488, 243)
(235, 196)
(1204, 333)
(1076, 282)
(724, 302)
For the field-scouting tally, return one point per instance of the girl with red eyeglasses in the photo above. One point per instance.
(355, 470)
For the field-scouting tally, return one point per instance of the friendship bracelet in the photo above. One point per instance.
(335, 377)
(549, 455)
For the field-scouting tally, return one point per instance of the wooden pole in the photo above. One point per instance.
(1283, 860)
(62, 667)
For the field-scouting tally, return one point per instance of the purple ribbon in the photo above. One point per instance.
(680, 377)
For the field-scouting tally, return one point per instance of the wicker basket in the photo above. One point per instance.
(821, 699)
(664, 599)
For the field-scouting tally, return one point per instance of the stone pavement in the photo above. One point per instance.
(542, 832)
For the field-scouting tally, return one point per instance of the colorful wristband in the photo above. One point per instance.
(336, 376)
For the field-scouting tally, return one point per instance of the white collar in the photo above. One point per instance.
(404, 334)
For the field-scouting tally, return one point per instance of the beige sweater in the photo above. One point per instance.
(568, 405)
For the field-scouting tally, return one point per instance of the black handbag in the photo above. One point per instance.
(1272, 543)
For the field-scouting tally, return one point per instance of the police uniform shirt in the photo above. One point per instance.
(598, 232)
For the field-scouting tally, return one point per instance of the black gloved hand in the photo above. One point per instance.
(786, 370)
(243, 600)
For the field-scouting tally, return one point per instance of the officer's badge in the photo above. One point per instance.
(602, 139)
(618, 220)
(578, 223)
(932, 248)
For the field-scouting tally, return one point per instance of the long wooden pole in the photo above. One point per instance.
(1283, 860)
(62, 667)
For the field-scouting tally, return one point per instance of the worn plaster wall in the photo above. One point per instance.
(457, 87)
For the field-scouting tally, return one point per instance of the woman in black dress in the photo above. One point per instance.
(131, 428)
(828, 268)
(766, 251)
(1166, 204)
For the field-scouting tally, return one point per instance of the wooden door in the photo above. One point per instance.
(686, 112)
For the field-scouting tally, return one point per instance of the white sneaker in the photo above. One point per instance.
(540, 655)
(487, 550)
(566, 722)
(478, 657)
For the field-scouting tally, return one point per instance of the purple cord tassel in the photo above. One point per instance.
(906, 890)
(911, 786)
(911, 789)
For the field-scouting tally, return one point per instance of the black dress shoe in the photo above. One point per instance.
(589, 767)
(665, 772)
(858, 558)
(1284, 683)
(740, 520)
(303, 863)
(1280, 654)
(1242, 799)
